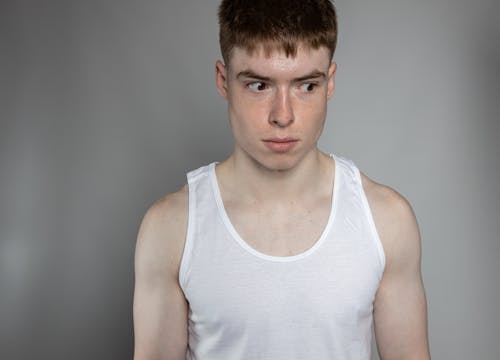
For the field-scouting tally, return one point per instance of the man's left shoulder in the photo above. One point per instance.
(385, 201)
(394, 219)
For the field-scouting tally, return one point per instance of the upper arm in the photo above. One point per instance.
(160, 309)
(400, 308)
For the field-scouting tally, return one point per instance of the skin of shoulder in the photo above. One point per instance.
(400, 306)
(160, 308)
(164, 229)
(390, 210)
(395, 222)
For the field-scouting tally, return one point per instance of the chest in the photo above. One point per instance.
(281, 231)
(327, 294)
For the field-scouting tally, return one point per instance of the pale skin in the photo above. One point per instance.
(287, 194)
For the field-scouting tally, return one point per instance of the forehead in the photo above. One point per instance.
(276, 63)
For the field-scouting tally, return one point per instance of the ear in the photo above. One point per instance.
(221, 78)
(331, 79)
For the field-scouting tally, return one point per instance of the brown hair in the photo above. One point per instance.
(276, 24)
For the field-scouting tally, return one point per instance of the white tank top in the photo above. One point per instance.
(247, 305)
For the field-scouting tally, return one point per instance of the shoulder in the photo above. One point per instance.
(395, 221)
(386, 202)
(161, 237)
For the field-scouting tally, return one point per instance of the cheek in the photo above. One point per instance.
(246, 112)
(312, 112)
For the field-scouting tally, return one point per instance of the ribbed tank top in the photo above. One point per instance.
(244, 304)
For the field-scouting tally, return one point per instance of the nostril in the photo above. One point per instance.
(282, 122)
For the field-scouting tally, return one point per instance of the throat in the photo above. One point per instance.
(256, 184)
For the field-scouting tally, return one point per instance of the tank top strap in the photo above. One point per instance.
(352, 178)
(198, 189)
(350, 170)
(194, 175)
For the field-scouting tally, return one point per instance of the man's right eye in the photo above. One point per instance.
(257, 86)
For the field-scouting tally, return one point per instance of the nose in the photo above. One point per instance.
(282, 110)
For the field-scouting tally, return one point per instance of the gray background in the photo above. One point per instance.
(105, 105)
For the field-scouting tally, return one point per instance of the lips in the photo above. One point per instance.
(280, 140)
(280, 144)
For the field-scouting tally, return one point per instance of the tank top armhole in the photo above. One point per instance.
(369, 216)
(188, 244)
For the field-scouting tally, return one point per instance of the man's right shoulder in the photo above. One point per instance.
(162, 234)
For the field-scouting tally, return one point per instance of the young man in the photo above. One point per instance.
(280, 251)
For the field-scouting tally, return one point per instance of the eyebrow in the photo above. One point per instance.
(253, 75)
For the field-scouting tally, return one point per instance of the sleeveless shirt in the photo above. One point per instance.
(244, 304)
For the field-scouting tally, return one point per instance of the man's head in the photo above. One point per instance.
(276, 25)
(277, 77)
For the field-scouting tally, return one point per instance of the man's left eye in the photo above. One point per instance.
(307, 87)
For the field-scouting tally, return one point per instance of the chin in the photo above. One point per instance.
(278, 162)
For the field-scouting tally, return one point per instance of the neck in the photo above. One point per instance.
(253, 182)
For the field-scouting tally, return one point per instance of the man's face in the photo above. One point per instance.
(277, 104)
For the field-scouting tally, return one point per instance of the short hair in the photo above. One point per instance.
(276, 25)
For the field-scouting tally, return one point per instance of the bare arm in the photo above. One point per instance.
(400, 308)
(160, 309)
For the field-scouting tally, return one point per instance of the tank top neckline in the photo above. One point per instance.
(235, 235)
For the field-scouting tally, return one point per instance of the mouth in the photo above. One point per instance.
(281, 140)
(280, 145)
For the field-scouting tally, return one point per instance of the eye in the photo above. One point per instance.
(308, 87)
(257, 86)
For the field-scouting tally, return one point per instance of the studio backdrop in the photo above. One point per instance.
(105, 105)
